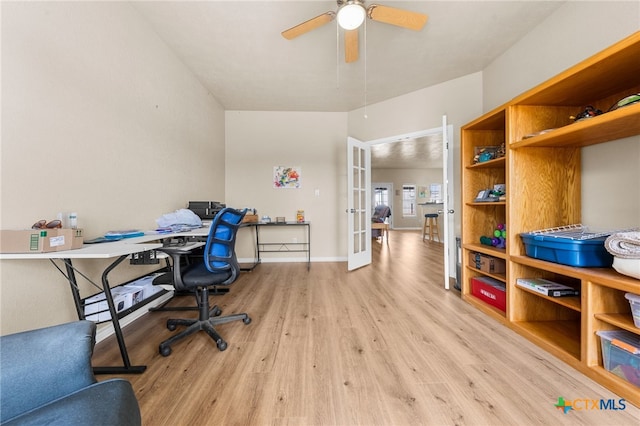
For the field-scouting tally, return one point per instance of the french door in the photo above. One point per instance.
(358, 203)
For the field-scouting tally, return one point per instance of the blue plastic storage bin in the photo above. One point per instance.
(589, 253)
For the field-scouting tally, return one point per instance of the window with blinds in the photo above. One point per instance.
(408, 200)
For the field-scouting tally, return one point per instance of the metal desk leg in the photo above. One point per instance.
(127, 367)
(73, 283)
(256, 253)
(308, 247)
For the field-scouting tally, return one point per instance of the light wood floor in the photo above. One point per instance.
(383, 345)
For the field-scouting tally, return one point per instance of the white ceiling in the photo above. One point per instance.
(236, 50)
(418, 153)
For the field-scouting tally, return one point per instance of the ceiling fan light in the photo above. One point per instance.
(351, 15)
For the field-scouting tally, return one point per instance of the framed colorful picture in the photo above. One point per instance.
(287, 177)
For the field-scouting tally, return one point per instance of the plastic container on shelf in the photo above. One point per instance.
(634, 301)
(571, 245)
(621, 354)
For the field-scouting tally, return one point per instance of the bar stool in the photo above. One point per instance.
(430, 224)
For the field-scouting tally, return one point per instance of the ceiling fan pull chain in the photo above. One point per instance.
(365, 69)
(337, 56)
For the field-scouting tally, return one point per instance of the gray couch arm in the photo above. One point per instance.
(46, 374)
(41, 365)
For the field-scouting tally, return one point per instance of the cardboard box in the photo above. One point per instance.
(145, 284)
(250, 218)
(130, 295)
(36, 240)
(485, 263)
(96, 307)
(77, 241)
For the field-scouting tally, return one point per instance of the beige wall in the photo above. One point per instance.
(314, 141)
(460, 99)
(610, 172)
(399, 177)
(577, 30)
(98, 117)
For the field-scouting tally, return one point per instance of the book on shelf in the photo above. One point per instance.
(547, 287)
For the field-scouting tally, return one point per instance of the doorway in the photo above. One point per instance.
(382, 193)
(427, 149)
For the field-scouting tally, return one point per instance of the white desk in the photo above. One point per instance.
(118, 250)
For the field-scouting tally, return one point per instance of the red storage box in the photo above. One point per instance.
(490, 291)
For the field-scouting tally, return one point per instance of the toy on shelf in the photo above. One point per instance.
(487, 153)
(588, 112)
(498, 239)
(499, 192)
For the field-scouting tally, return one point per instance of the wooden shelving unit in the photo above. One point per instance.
(542, 174)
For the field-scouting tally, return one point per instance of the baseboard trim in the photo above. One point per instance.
(293, 260)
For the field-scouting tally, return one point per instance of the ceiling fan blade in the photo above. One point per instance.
(399, 17)
(309, 25)
(351, 45)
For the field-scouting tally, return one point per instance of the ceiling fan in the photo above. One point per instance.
(351, 14)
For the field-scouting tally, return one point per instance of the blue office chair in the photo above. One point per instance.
(219, 268)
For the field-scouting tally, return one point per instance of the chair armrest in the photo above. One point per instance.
(176, 253)
(41, 365)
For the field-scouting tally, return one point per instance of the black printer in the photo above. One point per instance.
(206, 209)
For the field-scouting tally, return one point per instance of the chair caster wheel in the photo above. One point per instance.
(165, 350)
(217, 312)
(221, 344)
(171, 327)
(247, 320)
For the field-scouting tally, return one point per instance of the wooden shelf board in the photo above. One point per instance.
(493, 120)
(499, 277)
(488, 203)
(623, 321)
(562, 338)
(491, 164)
(614, 125)
(572, 302)
(603, 276)
(491, 251)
